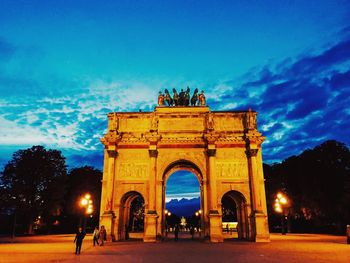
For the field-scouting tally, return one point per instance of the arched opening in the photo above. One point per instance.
(131, 224)
(183, 205)
(234, 216)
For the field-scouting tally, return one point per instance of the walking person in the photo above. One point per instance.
(176, 232)
(102, 235)
(79, 240)
(192, 232)
(96, 236)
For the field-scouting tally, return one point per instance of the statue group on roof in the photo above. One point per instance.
(182, 98)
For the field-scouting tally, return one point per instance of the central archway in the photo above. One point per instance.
(189, 219)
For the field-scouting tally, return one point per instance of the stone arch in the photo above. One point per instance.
(184, 164)
(240, 202)
(124, 212)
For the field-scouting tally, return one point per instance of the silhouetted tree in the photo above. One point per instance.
(32, 185)
(81, 181)
(318, 183)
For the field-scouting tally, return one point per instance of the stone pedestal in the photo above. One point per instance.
(107, 220)
(215, 227)
(150, 232)
(261, 227)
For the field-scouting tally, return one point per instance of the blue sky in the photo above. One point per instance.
(65, 64)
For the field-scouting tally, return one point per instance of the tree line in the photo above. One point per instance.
(39, 195)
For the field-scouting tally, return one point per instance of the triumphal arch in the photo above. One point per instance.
(222, 148)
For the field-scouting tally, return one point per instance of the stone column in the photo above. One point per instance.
(215, 219)
(258, 217)
(151, 216)
(108, 215)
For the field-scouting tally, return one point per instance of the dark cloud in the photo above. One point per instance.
(310, 94)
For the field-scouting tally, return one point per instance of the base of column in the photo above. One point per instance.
(150, 234)
(262, 233)
(215, 227)
(107, 220)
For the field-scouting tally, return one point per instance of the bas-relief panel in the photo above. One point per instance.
(232, 170)
(222, 123)
(133, 170)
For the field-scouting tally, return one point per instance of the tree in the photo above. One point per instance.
(82, 180)
(318, 183)
(32, 185)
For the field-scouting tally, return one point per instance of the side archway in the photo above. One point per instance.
(234, 214)
(131, 219)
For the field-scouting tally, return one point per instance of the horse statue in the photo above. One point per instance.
(168, 98)
(187, 97)
(175, 97)
(194, 98)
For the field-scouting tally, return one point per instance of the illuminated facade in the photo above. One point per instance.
(222, 148)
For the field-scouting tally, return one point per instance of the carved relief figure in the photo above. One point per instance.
(210, 122)
(202, 101)
(154, 123)
(251, 120)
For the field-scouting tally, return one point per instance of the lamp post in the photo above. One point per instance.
(281, 205)
(167, 213)
(199, 215)
(86, 203)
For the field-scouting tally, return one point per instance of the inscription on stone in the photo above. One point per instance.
(133, 170)
(232, 170)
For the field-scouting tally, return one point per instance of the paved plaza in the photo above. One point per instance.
(289, 248)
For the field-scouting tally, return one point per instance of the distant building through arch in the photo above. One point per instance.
(221, 148)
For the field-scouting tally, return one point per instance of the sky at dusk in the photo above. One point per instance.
(65, 64)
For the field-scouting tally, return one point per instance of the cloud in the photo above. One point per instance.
(300, 100)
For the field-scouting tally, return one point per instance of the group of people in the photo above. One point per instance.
(181, 99)
(99, 236)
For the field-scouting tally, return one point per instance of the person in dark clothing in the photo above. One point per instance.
(79, 240)
(176, 232)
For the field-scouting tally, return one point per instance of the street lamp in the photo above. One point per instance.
(86, 203)
(199, 215)
(167, 213)
(281, 205)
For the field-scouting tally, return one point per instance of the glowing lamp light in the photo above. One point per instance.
(84, 202)
(197, 213)
(169, 214)
(87, 196)
(283, 200)
(166, 211)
